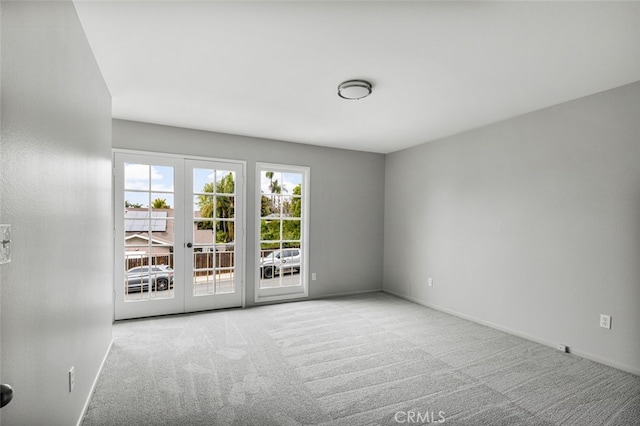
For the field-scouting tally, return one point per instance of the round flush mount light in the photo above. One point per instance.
(354, 89)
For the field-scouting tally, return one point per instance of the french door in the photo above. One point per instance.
(179, 234)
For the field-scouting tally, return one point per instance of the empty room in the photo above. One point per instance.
(319, 213)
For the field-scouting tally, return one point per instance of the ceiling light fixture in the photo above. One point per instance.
(354, 89)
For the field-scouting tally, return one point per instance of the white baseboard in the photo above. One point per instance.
(93, 385)
(577, 352)
(348, 293)
(324, 296)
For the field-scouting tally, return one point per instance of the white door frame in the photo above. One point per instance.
(182, 300)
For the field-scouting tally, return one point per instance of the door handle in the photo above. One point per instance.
(6, 395)
(189, 245)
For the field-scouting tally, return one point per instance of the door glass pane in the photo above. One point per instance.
(148, 232)
(270, 230)
(225, 207)
(162, 200)
(225, 182)
(136, 199)
(203, 206)
(203, 180)
(214, 232)
(137, 176)
(291, 231)
(162, 179)
(203, 271)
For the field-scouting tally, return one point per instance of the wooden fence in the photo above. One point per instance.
(201, 261)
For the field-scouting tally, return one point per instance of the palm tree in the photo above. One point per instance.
(205, 204)
(223, 208)
(160, 203)
(269, 176)
(275, 188)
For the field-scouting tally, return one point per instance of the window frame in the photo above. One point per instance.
(286, 292)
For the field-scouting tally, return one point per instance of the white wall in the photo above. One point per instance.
(531, 225)
(347, 200)
(56, 194)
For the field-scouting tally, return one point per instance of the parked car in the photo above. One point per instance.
(280, 261)
(160, 277)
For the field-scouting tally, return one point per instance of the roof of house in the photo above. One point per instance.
(162, 223)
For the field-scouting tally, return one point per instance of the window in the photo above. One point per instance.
(282, 230)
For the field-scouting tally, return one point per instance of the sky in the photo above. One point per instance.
(159, 180)
(287, 181)
(141, 177)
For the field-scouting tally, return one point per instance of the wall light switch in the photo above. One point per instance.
(5, 244)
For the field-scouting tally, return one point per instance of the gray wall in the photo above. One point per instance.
(55, 167)
(531, 225)
(347, 200)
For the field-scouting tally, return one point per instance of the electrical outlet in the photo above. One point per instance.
(430, 282)
(72, 379)
(562, 348)
(314, 276)
(605, 321)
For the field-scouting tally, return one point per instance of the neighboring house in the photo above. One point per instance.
(140, 243)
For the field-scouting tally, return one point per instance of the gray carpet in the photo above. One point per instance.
(362, 360)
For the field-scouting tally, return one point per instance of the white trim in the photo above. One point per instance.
(179, 156)
(301, 295)
(243, 251)
(93, 385)
(576, 352)
(322, 297)
(347, 293)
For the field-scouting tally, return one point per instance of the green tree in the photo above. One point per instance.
(296, 202)
(276, 188)
(132, 205)
(205, 203)
(265, 206)
(225, 209)
(160, 203)
(291, 228)
(269, 176)
(270, 232)
(221, 206)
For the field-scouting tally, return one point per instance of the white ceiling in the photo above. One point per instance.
(271, 69)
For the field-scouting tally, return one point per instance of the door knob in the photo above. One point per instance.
(189, 245)
(6, 395)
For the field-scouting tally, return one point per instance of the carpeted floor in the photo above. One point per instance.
(372, 359)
